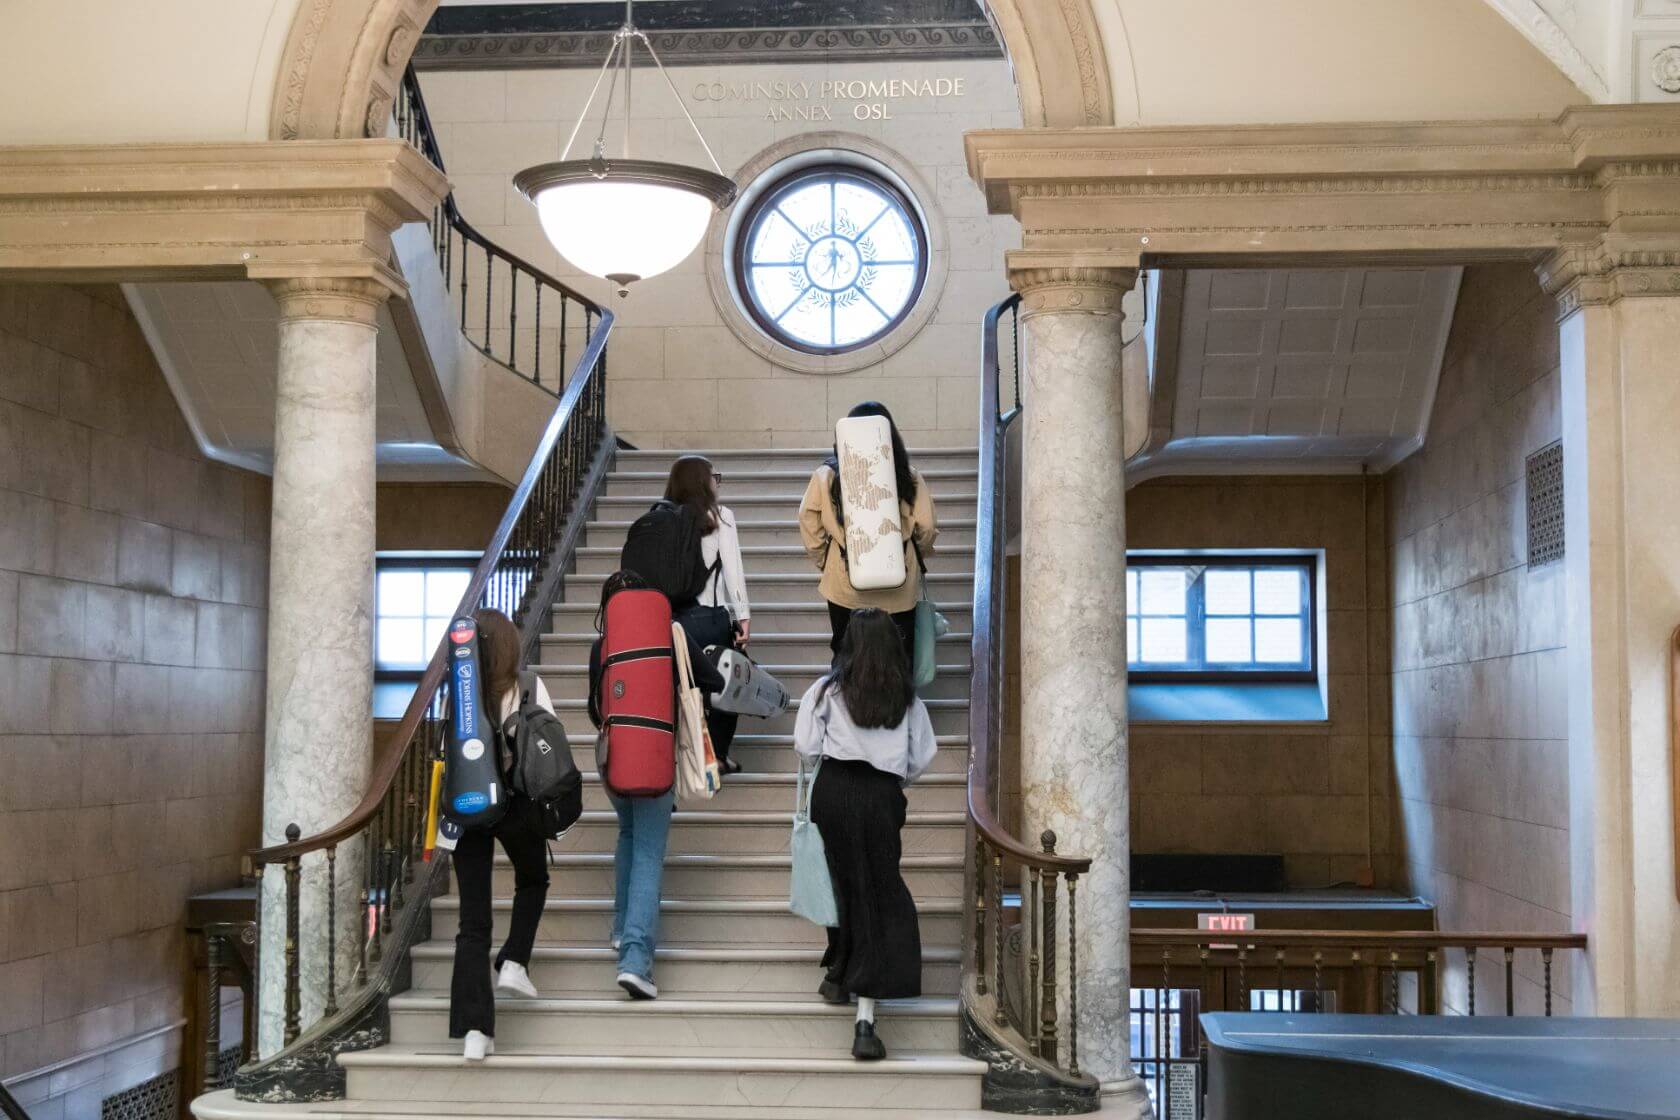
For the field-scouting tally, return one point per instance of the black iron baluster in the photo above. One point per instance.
(376, 950)
(213, 1006)
(1047, 999)
(1393, 982)
(1073, 972)
(489, 295)
(463, 284)
(332, 931)
(1510, 981)
(1278, 960)
(1546, 963)
(980, 914)
(1318, 978)
(561, 375)
(999, 1017)
(1242, 978)
(294, 1001)
(536, 349)
(1470, 968)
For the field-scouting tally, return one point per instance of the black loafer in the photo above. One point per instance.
(866, 1046)
(729, 766)
(833, 993)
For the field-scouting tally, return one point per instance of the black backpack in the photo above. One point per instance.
(663, 547)
(543, 770)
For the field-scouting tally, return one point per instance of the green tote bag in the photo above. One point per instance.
(812, 896)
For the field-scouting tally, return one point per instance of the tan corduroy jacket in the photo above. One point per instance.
(819, 528)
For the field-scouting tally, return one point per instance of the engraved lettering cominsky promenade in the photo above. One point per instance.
(870, 99)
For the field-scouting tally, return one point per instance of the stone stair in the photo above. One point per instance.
(738, 1030)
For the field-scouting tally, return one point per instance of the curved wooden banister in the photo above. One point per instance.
(380, 785)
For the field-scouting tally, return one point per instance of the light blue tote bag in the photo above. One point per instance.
(812, 896)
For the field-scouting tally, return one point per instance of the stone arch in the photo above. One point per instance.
(1061, 71)
(342, 67)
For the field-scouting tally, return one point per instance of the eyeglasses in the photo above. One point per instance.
(717, 478)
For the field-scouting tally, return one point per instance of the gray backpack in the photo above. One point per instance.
(542, 769)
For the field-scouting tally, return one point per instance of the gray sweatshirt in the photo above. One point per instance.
(825, 729)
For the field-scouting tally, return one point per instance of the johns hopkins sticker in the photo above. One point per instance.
(472, 750)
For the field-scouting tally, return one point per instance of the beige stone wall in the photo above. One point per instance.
(1317, 794)
(679, 375)
(1480, 693)
(133, 581)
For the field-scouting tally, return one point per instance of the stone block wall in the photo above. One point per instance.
(681, 377)
(1317, 794)
(1480, 692)
(133, 585)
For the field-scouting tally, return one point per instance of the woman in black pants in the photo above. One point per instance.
(472, 1006)
(870, 736)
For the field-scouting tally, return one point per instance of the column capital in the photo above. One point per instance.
(1070, 282)
(345, 299)
(1602, 273)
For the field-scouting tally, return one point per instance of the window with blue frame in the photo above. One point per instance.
(1209, 618)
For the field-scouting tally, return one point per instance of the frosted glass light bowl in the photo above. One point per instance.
(624, 220)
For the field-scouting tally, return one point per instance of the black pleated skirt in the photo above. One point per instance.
(876, 951)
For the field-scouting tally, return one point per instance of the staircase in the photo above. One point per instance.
(738, 1029)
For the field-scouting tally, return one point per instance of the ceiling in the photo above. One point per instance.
(219, 345)
(1295, 370)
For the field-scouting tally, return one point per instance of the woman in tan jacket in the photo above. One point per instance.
(822, 529)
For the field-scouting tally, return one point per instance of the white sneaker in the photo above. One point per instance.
(478, 1044)
(638, 987)
(618, 943)
(515, 980)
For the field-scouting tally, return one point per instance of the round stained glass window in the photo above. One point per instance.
(831, 259)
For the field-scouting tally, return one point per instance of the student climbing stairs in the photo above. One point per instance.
(739, 1029)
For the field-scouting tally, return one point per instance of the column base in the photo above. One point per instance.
(1127, 1098)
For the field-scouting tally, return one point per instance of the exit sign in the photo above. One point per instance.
(1225, 923)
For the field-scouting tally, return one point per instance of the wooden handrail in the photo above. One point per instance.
(424, 693)
(1357, 939)
(985, 689)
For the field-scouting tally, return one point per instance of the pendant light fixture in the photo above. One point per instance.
(625, 219)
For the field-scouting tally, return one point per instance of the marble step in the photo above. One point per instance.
(949, 715)
(791, 587)
(737, 1084)
(950, 682)
(784, 502)
(792, 648)
(773, 754)
(783, 558)
(793, 458)
(685, 1023)
(759, 793)
(701, 833)
(768, 529)
(577, 618)
(743, 921)
(726, 968)
(590, 875)
(738, 484)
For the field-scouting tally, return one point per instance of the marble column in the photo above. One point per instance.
(319, 722)
(1073, 639)
(1619, 336)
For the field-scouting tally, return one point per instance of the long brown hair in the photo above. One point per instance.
(498, 655)
(690, 485)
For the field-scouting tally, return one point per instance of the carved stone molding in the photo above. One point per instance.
(1586, 276)
(346, 299)
(210, 211)
(344, 61)
(1451, 192)
(1061, 69)
(1071, 288)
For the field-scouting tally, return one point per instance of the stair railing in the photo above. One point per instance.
(9, 1107)
(520, 574)
(493, 289)
(1024, 1014)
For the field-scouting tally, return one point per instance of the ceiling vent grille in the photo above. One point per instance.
(1545, 505)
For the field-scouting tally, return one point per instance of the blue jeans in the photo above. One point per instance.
(644, 824)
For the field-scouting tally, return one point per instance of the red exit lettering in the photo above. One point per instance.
(1225, 923)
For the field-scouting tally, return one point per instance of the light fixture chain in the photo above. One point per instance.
(584, 115)
(629, 75)
(681, 104)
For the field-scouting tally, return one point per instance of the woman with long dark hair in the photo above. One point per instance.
(822, 528)
(722, 616)
(871, 736)
(472, 1006)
